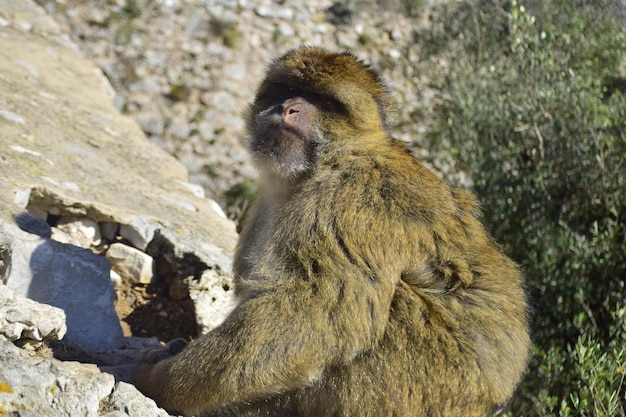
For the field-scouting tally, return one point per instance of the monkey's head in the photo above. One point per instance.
(313, 101)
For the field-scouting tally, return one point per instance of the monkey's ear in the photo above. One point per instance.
(387, 112)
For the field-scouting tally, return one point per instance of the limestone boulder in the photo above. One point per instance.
(77, 178)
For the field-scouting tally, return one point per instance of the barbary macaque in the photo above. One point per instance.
(367, 286)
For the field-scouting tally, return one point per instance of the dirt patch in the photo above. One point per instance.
(162, 309)
(150, 311)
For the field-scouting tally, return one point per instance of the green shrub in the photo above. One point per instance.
(534, 110)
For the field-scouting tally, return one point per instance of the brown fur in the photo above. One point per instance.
(368, 287)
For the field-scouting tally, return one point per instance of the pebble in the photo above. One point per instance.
(130, 263)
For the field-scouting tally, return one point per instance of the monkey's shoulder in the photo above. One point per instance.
(389, 183)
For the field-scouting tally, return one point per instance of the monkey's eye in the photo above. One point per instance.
(332, 105)
(276, 94)
(325, 103)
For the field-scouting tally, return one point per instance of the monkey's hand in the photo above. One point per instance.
(147, 379)
(154, 354)
(152, 362)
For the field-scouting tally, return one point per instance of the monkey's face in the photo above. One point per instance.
(287, 129)
(311, 103)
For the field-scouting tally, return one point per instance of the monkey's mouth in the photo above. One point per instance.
(281, 135)
(291, 133)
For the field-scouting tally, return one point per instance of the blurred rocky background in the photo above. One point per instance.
(185, 70)
(124, 173)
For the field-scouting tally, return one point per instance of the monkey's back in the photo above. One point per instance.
(454, 340)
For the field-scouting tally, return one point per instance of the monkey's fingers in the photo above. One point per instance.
(155, 354)
(176, 346)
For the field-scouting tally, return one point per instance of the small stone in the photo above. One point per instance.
(179, 128)
(130, 263)
(83, 233)
(116, 278)
(140, 231)
(22, 318)
(150, 122)
(275, 12)
(394, 53)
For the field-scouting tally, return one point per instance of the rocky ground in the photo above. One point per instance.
(105, 246)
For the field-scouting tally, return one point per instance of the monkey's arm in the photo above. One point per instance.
(281, 339)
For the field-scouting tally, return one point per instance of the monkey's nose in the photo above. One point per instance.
(292, 105)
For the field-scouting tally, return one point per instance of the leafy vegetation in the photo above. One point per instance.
(534, 109)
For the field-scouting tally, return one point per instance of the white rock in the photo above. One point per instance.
(213, 298)
(275, 11)
(140, 231)
(127, 397)
(84, 232)
(48, 387)
(22, 318)
(394, 53)
(68, 277)
(116, 278)
(218, 209)
(130, 263)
